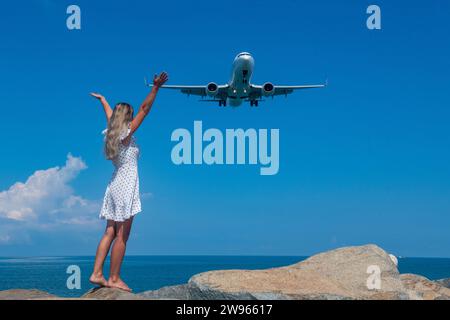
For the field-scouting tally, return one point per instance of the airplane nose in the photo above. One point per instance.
(246, 60)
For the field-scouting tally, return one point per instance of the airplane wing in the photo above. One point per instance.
(283, 90)
(259, 91)
(194, 90)
(200, 90)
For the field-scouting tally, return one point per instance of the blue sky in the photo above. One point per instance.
(364, 161)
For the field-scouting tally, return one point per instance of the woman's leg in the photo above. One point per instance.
(117, 252)
(102, 251)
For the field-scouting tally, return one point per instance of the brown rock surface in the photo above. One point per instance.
(422, 288)
(25, 294)
(109, 294)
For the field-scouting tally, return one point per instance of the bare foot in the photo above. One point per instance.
(98, 280)
(119, 284)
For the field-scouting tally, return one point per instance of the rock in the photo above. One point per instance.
(338, 274)
(178, 292)
(25, 294)
(444, 282)
(109, 294)
(421, 288)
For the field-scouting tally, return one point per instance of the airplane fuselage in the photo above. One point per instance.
(239, 85)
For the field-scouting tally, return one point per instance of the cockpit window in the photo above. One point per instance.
(243, 54)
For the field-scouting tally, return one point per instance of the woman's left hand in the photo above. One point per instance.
(158, 81)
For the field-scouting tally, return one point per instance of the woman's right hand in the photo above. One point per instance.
(97, 95)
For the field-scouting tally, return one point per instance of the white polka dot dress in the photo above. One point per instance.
(122, 200)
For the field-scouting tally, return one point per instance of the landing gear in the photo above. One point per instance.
(253, 103)
(222, 103)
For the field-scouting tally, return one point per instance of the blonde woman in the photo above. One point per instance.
(121, 201)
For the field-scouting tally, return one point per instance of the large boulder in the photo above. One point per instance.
(337, 274)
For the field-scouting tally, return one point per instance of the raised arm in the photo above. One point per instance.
(146, 105)
(105, 104)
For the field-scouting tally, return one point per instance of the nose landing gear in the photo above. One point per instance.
(253, 103)
(222, 103)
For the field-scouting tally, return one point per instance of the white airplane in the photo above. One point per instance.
(239, 88)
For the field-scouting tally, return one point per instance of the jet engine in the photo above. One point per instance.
(268, 89)
(212, 89)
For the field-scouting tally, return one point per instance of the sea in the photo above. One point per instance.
(144, 273)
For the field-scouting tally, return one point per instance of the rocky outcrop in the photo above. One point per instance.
(179, 292)
(24, 294)
(362, 272)
(421, 288)
(338, 274)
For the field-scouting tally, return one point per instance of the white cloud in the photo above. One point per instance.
(46, 199)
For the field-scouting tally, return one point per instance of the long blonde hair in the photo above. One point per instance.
(118, 124)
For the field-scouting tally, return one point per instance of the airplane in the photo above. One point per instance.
(239, 88)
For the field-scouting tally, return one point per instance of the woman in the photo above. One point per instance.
(121, 202)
